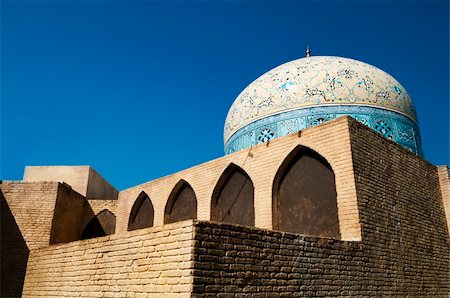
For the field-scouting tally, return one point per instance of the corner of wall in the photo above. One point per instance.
(99, 188)
(32, 205)
(348, 209)
(69, 210)
(444, 183)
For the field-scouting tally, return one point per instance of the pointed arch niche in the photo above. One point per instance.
(233, 198)
(104, 223)
(304, 195)
(182, 203)
(142, 213)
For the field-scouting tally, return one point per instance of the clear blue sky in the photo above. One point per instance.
(141, 89)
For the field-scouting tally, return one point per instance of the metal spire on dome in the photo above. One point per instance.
(308, 52)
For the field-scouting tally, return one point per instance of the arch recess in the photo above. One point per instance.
(104, 223)
(304, 198)
(142, 213)
(182, 203)
(233, 198)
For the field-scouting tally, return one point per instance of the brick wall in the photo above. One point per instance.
(35, 214)
(32, 205)
(153, 261)
(402, 217)
(404, 250)
(395, 240)
(261, 163)
(237, 261)
(99, 188)
(26, 218)
(50, 212)
(83, 179)
(13, 253)
(76, 176)
(197, 258)
(70, 209)
(444, 181)
(100, 205)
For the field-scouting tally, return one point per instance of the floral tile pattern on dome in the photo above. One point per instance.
(317, 81)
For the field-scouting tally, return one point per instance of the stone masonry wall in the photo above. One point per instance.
(152, 262)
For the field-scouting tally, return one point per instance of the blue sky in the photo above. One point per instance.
(141, 89)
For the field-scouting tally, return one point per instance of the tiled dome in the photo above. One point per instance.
(311, 90)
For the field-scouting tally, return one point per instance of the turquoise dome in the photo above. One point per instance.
(311, 90)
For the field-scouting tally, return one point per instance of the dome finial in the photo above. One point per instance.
(308, 52)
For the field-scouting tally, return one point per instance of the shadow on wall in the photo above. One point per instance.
(14, 254)
(74, 219)
(104, 223)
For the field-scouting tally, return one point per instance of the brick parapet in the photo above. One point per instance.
(237, 261)
(152, 262)
(243, 261)
(204, 259)
(261, 163)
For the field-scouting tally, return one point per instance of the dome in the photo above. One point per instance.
(312, 90)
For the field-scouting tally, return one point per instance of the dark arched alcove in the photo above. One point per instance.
(142, 213)
(304, 195)
(182, 203)
(100, 225)
(233, 198)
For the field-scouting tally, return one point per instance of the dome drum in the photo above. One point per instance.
(394, 126)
